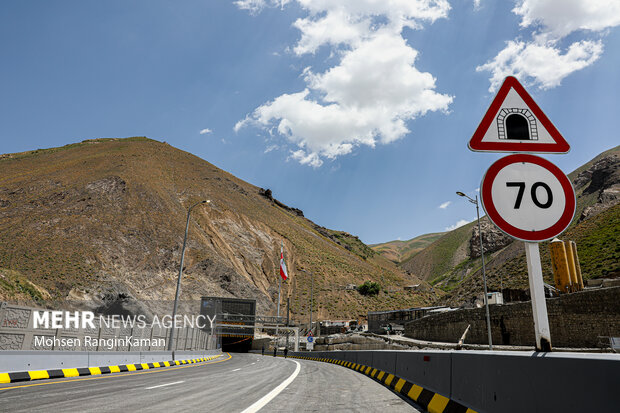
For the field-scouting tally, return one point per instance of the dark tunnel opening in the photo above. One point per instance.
(517, 127)
(236, 344)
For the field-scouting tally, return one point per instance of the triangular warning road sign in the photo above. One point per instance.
(515, 123)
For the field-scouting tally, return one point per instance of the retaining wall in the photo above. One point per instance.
(576, 320)
(502, 381)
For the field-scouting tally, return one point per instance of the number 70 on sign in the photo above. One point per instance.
(528, 197)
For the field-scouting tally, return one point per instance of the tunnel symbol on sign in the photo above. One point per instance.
(516, 124)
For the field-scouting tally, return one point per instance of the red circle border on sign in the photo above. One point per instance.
(524, 235)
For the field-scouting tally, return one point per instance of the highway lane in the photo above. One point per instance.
(230, 384)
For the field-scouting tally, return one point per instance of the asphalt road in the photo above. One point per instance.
(233, 383)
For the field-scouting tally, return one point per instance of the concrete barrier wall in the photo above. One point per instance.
(11, 361)
(433, 368)
(503, 381)
(14, 361)
(155, 356)
(108, 358)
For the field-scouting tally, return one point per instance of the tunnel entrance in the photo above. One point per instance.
(237, 344)
(517, 127)
(232, 319)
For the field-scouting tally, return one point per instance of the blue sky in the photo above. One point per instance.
(358, 112)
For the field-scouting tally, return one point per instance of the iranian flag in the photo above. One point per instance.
(283, 272)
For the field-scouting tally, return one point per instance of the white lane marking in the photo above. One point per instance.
(237, 369)
(272, 394)
(163, 385)
(253, 364)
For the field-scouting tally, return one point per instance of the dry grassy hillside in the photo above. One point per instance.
(399, 251)
(105, 218)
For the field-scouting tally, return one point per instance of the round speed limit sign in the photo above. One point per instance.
(528, 197)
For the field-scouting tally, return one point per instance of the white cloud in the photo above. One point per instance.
(255, 6)
(476, 4)
(271, 148)
(304, 158)
(205, 131)
(334, 28)
(542, 60)
(445, 205)
(546, 64)
(559, 18)
(368, 97)
(251, 5)
(460, 223)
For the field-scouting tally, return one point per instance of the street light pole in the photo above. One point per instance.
(311, 297)
(176, 297)
(484, 275)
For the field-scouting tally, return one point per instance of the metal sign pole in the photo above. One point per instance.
(537, 292)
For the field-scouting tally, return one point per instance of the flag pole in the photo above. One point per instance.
(279, 289)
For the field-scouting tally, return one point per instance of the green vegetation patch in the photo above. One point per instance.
(14, 285)
(369, 288)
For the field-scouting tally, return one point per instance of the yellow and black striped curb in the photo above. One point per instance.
(431, 401)
(92, 371)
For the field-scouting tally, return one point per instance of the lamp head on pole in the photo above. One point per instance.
(459, 193)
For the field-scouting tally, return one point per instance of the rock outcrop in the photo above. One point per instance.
(602, 179)
(493, 239)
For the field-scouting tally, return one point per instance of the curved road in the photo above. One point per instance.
(231, 383)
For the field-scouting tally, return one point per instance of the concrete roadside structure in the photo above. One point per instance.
(486, 382)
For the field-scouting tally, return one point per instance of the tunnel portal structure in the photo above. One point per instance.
(230, 311)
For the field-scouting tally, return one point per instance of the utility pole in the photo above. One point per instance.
(484, 274)
(484, 278)
(176, 297)
(288, 306)
(311, 297)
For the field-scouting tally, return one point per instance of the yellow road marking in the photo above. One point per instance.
(415, 391)
(389, 379)
(111, 376)
(70, 372)
(399, 385)
(4, 378)
(94, 371)
(438, 403)
(380, 376)
(115, 369)
(38, 374)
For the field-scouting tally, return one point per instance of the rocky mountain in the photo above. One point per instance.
(104, 219)
(453, 262)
